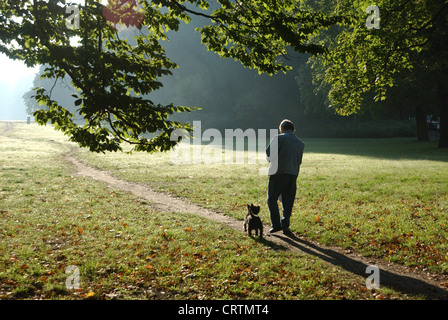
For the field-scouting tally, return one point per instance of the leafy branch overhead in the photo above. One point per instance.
(363, 60)
(114, 75)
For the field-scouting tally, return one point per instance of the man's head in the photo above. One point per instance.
(286, 125)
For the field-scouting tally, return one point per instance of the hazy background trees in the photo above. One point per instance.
(371, 83)
(231, 96)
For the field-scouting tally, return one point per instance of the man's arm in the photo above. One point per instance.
(300, 155)
(268, 153)
(273, 146)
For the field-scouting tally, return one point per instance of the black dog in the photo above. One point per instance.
(253, 221)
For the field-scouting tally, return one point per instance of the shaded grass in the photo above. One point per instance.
(51, 219)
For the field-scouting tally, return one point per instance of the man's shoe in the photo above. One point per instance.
(288, 233)
(272, 230)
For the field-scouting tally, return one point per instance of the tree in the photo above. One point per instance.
(111, 75)
(363, 61)
(30, 103)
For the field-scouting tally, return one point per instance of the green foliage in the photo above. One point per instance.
(362, 60)
(116, 76)
(258, 32)
(109, 73)
(112, 75)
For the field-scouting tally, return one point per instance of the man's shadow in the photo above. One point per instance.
(397, 282)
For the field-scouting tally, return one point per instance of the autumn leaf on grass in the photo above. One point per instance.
(188, 229)
(150, 267)
(90, 294)
(80, 230)
(317, 219)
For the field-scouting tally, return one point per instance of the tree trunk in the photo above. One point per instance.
(442, 93)
(422, 127)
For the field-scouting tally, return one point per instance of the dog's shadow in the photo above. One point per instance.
(269, 243)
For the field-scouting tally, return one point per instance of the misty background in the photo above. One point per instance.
(231, 96)
(15, 80)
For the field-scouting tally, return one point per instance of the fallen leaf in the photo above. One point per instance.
(79, 230)
(90, 294)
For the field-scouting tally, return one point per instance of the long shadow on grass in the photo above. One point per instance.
(389, 148)
(397, 282)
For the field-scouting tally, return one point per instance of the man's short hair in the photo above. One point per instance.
(287, 125)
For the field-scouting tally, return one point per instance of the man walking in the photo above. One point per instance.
(285, 156)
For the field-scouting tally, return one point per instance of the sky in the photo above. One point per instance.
(15, 79)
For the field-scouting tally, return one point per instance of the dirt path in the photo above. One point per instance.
(394, 276)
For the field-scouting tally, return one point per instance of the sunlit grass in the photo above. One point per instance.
(52, 219)
(380, 197)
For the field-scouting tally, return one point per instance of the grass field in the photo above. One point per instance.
(385, 198)
(381, 197)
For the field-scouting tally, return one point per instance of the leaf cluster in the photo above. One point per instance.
(111, 74)
(362, 60)
(257, 33)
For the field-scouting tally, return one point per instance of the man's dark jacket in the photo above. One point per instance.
(289, 157)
